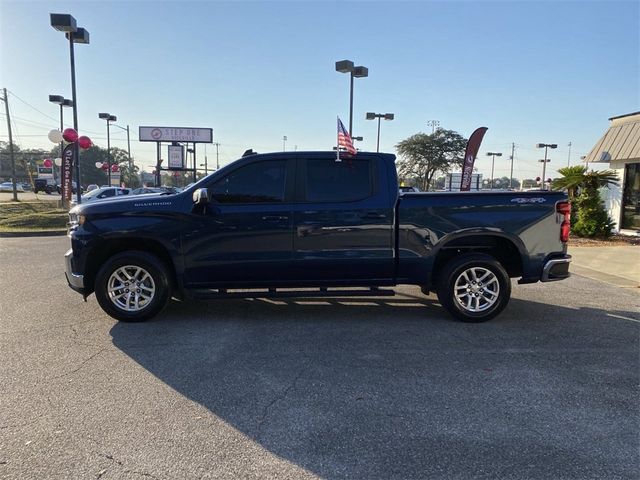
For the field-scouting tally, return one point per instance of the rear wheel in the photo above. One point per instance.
(474, 287)
(132, 286)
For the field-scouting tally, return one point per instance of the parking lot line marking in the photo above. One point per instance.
(624, 318)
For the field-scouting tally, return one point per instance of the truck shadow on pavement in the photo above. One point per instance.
(394, 388)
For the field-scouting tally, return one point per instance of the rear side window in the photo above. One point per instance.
(330, 181)
(260, 182)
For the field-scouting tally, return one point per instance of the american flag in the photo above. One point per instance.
(344, 139)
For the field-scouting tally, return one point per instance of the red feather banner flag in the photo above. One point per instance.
(473, 145)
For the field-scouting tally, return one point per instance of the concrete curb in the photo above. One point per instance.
(47, 233)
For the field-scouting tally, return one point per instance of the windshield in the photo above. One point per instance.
(93, 193)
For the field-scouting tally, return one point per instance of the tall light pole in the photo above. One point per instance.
(128, 144)
(493, 161)
(64, 22)
(109, 118)
(284, 143)
(433, 124)
(346, 66)
(62, 102)
(373, 116)
(545, 161)
(569, 155)
(513, 153)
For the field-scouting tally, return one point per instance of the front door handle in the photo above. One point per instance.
(274, 218)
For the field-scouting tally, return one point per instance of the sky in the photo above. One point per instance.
(543, 71)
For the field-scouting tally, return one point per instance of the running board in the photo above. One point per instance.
(207, 294)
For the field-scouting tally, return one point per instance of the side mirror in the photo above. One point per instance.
(201, 196)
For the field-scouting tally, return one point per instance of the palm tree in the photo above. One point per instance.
(575, 178)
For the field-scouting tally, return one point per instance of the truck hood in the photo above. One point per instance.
(130, 203)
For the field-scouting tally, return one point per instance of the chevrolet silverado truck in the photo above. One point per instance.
(303, 224)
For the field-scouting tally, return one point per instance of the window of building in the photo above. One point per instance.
(260, 182)
(631, 197)
(331, 181)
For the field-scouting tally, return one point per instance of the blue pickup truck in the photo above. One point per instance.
(304, 224)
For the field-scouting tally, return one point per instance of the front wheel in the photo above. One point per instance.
(132, 286)
(474, 287)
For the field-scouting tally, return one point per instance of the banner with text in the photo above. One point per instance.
(66, 172)
(473, 145)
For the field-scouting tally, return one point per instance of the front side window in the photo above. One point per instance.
(330, 181)
(260, 182)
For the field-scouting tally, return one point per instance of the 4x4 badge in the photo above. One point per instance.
(529, 200)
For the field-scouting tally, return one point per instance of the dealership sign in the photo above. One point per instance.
(175, 134)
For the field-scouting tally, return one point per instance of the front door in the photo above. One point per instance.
(244, 236)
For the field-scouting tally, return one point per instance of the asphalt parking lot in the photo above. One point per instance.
(338, 388)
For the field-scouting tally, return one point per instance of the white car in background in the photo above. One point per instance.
(8, 187)
(101, 194)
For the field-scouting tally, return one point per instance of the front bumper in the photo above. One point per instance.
(556, 269)
(75, 281)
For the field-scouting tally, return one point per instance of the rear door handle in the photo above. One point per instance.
(274, 218)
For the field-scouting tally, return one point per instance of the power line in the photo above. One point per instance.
(31, 106)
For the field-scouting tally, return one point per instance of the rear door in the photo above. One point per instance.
(343, 221)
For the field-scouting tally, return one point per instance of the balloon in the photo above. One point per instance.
(105, 166)
(70, 135)
(47, 163)
(55, 136)
(85, 142)
(114, 168)
(98, 164)
(58, 162)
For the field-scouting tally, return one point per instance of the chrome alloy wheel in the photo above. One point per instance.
(476, 289)
(131, 288)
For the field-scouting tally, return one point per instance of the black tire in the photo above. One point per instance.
(156, 287)
(476, 301)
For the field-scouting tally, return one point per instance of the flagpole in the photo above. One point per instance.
(337, 139)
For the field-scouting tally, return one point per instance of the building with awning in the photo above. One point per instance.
(620, 148)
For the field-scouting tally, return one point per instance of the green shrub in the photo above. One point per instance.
(591, 219)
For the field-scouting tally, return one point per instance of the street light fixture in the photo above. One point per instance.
(63, 102)
(284, 142)
(66, 23)
(346, 66)
(109, 118)
(493, 161)
(545, 161)
(373, 116)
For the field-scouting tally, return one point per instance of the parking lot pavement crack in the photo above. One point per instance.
(120, 463)
(142, 474)
(84, 362)
(281, 396)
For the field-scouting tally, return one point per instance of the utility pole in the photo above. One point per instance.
(569, 156)
(217, 159)
(513, 151)
(11, 154)
(433, 124)
(129, 152)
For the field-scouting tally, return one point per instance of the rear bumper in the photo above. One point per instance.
(556, 269)
(75, 281)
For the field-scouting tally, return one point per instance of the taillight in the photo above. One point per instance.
(564, 208)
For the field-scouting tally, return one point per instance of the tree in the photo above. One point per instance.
(424, 155)
(576, 177)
